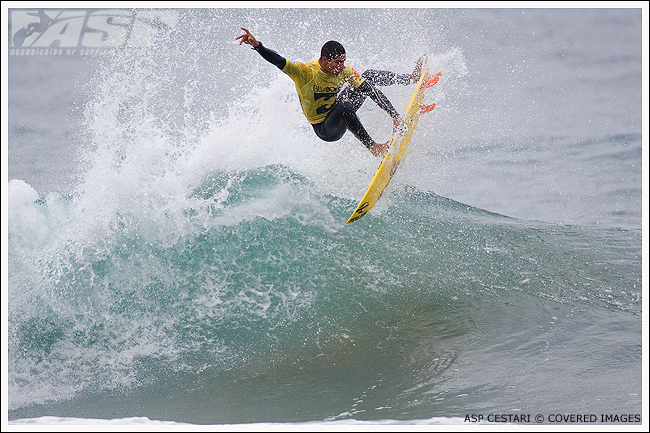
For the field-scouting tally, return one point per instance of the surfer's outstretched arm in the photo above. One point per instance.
(268, 55)
(271, 56)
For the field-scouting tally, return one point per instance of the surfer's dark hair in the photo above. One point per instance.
(331, 50)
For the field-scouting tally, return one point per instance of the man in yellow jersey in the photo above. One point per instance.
(329, 110)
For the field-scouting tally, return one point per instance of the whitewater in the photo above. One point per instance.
(176, 246)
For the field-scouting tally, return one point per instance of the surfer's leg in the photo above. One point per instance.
(375, 78)
(342, 116)
(386, 78)
(353, 124)
(353, 95)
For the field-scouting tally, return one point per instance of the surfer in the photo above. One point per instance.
(330, 110)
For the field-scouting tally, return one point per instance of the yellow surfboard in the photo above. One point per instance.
(397, 147)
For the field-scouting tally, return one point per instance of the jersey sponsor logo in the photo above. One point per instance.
(328, 98)
(84, 32)
(326, 89)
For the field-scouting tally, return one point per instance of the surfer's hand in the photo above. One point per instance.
(248, 38)
(399, 125)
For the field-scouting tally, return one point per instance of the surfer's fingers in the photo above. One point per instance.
(244, 39)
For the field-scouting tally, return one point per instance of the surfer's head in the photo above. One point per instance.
(331, 50)
(332, 58)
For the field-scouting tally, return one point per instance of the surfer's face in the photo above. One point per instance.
(334, 66)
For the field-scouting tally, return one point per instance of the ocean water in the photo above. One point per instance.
(177, 251)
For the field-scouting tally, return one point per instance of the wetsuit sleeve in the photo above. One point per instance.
(379, 98)
(271, 56)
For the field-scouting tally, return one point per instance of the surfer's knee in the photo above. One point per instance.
(347, 108)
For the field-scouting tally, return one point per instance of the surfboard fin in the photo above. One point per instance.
(431, 81)
(427, 108)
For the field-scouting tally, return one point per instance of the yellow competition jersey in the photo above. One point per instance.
(317, 89)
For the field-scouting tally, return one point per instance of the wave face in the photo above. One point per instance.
(258, 279)
(200, 270)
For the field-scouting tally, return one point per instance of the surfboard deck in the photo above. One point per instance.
(398, 146)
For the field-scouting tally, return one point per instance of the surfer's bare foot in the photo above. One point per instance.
(379, 149)
(415, 76)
